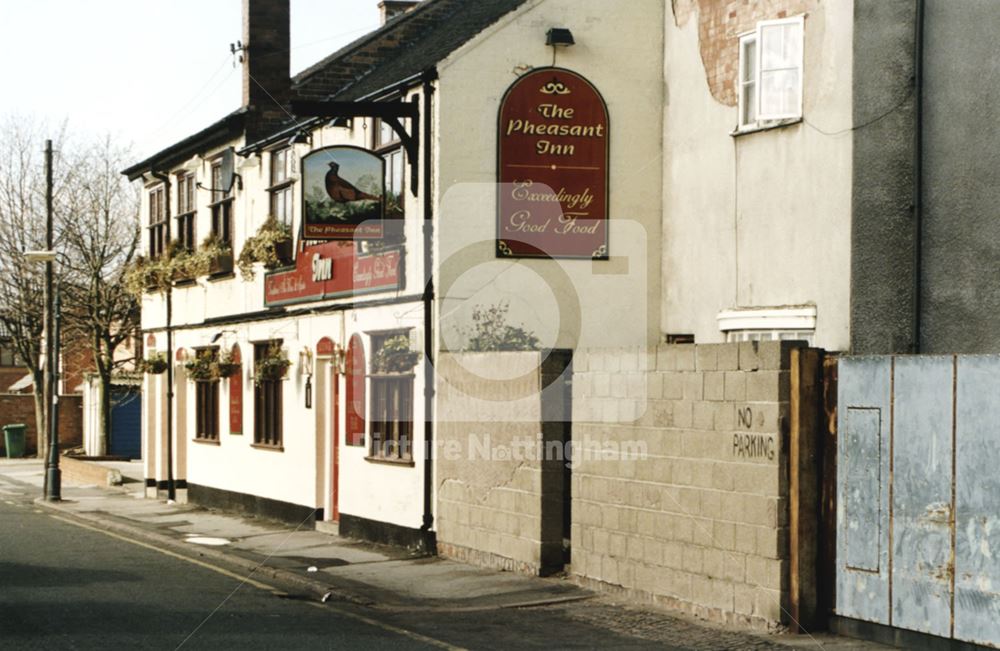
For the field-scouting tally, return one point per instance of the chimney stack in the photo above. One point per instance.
(266, 63)
(389, 9)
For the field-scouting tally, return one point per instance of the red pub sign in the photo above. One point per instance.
(333, 270)
(552, 167)
(236, 394)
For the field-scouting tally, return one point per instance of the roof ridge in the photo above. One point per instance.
(388, 26)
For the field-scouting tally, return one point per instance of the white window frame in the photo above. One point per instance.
(742, 83)
(769, 323)
(761, 118)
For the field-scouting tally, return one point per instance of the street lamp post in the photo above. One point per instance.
(53, 478)
(53, 483)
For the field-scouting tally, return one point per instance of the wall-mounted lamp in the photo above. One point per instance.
(342, 122)
(220, 334)
(559, 37)
(301, 137)
(306, 362)
(339, 361)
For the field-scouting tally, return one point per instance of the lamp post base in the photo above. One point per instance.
(53, 477)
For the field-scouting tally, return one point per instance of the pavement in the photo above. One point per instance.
(384, 580)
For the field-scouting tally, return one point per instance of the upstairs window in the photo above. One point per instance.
(770, 73)
(222, 207)
(186, 211)
(159, 228)
(281, 185)
(388, 143)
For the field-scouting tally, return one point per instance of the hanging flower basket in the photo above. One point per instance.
(202, 367)
(154, 364)
(226, 367)
(271, 246)
(272, 366)
(395, 356)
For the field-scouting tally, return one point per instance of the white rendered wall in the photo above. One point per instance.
(567, 303)
(761, 219)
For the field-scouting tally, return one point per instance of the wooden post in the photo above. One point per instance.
(803, 484)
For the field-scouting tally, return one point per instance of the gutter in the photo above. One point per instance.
(918, 170)
(222, 131)
(429, 353)
(171, 488)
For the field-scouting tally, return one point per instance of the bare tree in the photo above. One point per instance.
(100, 236)
(22, 228)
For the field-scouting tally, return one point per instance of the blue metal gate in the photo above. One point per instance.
(918, 489)
(126, 423)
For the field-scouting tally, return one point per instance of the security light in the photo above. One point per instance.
(559, 37)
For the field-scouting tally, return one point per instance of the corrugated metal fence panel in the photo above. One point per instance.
(921, 493)
(862, 488)
(977, 497)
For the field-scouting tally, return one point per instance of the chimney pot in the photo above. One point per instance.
(389, 9)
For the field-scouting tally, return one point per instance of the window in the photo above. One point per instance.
(391, 410)
(222, 207)
(159, 229)
(796, 323)
(385, 135)
(387, 141)
(207, 401)
(267, 396)
(770, 73)
(281, 185)
(186, 211)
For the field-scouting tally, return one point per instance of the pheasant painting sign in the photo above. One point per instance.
(343, 194)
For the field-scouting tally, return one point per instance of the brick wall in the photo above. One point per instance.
(500, 504)
(721, 22)
(20, 408)
(698, 517)
(11, 374)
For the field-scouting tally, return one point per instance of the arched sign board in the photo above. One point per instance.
(343, 194)
(236, 394)
(552, 168)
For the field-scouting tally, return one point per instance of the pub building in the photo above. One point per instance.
(463, 156)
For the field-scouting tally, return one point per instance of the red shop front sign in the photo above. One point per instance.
(552, 168)
(333, 270)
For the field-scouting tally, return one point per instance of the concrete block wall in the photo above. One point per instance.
(680, 476)
(499, 502)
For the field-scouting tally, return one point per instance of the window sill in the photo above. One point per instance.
(206, 441)
(409, 463)
(271, 448)
(227, 275)
(768, 126)
(186, 282)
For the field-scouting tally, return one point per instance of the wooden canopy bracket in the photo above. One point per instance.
(389, 112)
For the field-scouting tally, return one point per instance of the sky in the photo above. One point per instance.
(146, 72)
